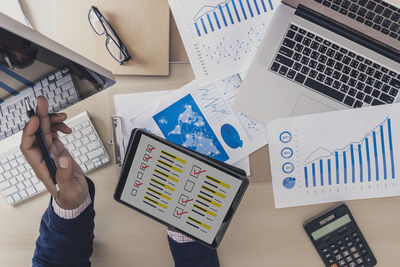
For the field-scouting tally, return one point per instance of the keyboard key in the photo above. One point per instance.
(386, 98)
(320, 87)
(9, 191)
(377, 102)
(349, 101)
(31, 191)
(40, 187)
(275, 66)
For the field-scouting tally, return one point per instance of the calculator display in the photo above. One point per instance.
(329, 228)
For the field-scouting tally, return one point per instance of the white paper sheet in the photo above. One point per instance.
(221, 37)
(130, 105)
(335, 156)
(201, 117)
(13, 9)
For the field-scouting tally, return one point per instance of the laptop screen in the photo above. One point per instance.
(24, 64)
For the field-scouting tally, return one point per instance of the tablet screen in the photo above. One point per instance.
(179, 189)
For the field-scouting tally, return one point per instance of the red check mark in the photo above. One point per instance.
(180, 213)
(138, 184)
(144, 167)
(197, 173)
(186, 201)
(147, 158)
(151, 149)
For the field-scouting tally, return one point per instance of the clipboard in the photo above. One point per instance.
(180, 188)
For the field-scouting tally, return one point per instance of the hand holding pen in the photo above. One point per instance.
(65, 173)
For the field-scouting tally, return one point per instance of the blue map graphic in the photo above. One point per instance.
(184, 124)
(231, 136)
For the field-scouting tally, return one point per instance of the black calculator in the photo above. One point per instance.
(338, 239)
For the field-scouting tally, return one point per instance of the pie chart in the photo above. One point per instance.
(289, 182)
(231, 136)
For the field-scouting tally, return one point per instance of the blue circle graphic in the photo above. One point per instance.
(289, 182)
(286, 152)
(288, 167)
(285, 137)
(231, 136)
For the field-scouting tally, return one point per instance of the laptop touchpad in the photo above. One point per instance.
(307, 105)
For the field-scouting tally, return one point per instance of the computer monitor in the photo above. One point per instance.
(26, 57)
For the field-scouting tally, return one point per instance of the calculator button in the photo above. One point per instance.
(338, 257)
(335, 251)
(356, 255)
(346, 253)
(357, 240)
(367, 258)
(331, 261)
(359, 260)
(353, 249)
(354, 234)
(347, 239)
(328, 255)
(325, 250)
(352, 264)
(342, 263)
(342, 231)
(350, 244)
(364, 251)
(333, 246)
(349, 259)
(360, 246)
(342, 247)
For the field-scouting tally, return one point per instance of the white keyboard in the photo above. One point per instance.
(18, 181)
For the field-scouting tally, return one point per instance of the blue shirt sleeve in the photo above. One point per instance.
(66, 242)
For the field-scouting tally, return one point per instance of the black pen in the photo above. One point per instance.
(51, 166)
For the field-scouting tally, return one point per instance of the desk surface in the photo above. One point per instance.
(259, 235)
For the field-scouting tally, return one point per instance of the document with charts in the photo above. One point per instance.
(335, 156)
(221, 37)
(201, 118)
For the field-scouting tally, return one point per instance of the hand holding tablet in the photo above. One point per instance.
(182, 189)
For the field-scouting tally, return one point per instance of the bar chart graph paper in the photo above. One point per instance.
(221, 37)
(336, 156)
(211, 18)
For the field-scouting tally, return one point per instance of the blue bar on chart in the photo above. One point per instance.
(361, 162)
(368, 159)
(209, 21)
(313, 174)
(353, 174)
(345, 167)
(383, 153)
(204, 25)
(236, 10)
(337, 167)
(256, 5)
(329, 172)
(251, 11)
(223, 16)
(216, 19)
(306, 176)
(376, 156)
(197, 29)
(263, 5)
(391, 147)
(270, 4)
(229, 13)
(242, 7)
(321, 171)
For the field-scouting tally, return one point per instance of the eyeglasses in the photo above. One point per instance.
(114, 45)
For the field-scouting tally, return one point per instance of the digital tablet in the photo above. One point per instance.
(180, 188)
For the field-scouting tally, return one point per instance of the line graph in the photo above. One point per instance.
(366, 160)
(210, 18)
(235, 50)
(214, 106)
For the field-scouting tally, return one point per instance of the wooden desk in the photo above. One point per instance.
(259, 234)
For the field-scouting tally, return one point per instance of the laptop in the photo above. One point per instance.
(32, 65)
(323, 55)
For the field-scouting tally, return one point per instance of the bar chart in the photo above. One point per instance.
(371, 158)
(335, 156)
(211, 18)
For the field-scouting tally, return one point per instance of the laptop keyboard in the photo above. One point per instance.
(333, 70)
(376, 14)
(58, 88)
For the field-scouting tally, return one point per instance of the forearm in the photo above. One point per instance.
(66, 241)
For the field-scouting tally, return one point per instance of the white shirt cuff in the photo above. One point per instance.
(71, 214)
